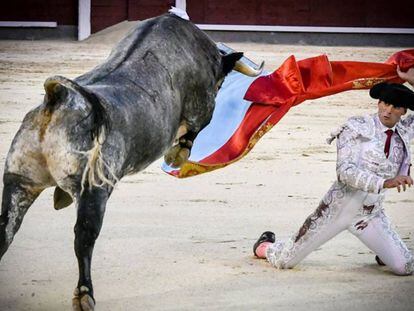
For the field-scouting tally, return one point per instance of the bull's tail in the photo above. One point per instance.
(96, 172)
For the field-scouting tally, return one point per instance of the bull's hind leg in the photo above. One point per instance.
(18, 195)
(91, 209)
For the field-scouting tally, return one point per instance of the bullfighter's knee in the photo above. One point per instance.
(280, 257)
(403, 267)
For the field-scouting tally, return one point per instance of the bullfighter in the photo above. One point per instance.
(373, 155)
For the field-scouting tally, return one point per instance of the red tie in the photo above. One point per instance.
(388, 142)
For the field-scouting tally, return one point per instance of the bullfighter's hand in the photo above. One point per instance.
(399, 182)
(407, 76)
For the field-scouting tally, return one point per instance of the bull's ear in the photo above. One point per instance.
(54, 90)
(229, 61)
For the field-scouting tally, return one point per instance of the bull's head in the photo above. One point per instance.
(243, 65)
(179, 153)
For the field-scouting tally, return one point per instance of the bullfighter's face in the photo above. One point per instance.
(388, 114)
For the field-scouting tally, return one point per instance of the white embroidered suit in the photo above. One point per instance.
(354, 201)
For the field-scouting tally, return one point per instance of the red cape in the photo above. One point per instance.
(291, 84)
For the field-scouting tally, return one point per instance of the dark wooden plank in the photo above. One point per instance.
(385, 13)
(334, 13)
(350, 13)
(196, 11)
(143, 9)
(64, 12)
(230, 12)
(105, 13)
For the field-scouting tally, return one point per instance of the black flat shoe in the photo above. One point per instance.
(379, 261)
(266, 236)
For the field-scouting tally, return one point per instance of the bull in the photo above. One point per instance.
(150, 98)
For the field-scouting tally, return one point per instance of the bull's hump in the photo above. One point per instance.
(147, 35)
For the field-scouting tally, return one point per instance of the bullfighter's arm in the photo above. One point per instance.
(408, 123)
(347, 170)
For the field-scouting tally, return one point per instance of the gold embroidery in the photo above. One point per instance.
(366, 83)
(190, 168)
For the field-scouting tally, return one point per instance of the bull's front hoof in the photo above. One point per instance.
(177, 156)
(82, 301)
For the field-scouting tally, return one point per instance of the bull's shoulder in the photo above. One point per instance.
(119, 54)
(148, 35)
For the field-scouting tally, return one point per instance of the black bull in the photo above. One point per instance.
(157, 87)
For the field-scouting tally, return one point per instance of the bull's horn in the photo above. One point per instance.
(248, 70)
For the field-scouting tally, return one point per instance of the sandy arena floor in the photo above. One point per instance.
(170, 244)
